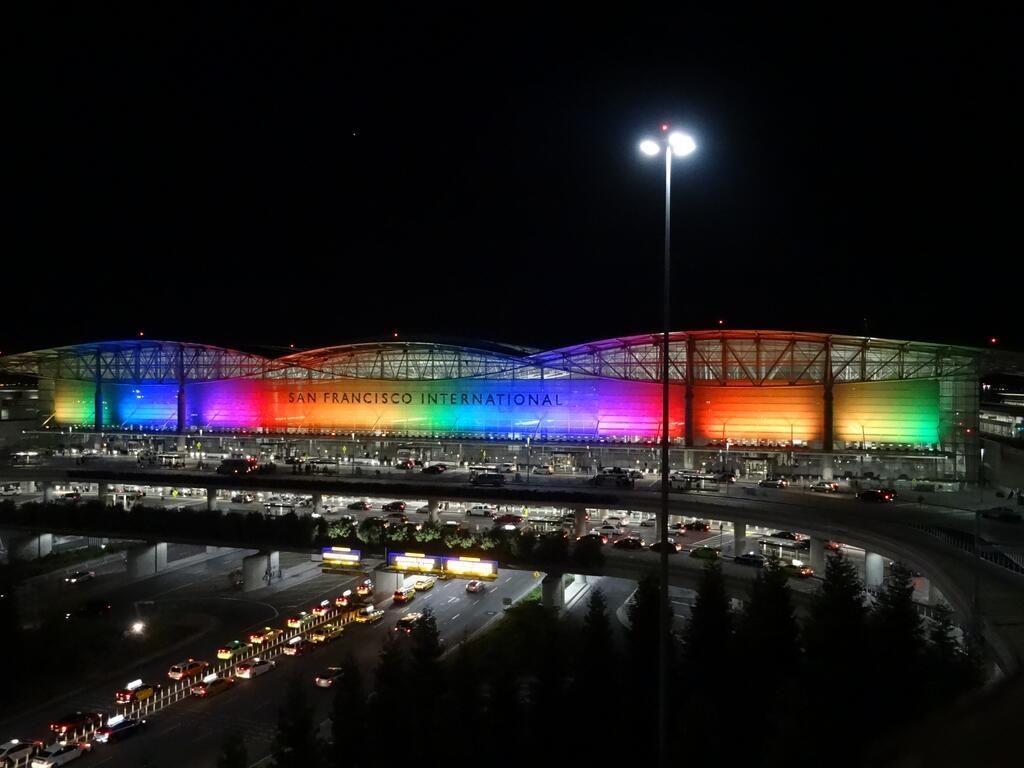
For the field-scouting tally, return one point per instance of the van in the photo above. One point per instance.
(488, 478)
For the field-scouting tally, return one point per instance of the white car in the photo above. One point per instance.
(609, 530)
(254, 668)
(16, 750)
(480, 509)
(56, 754)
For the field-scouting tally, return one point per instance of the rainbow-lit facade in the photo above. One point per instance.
(732, 388)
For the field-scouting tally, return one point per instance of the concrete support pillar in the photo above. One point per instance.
(818, 556)
(827, 469)
(260, 570)
(211, 499)
(32, 547)
(318, 503)
(687, 459)
(579, 520)
(553, 591)
(47, 492)
(147, 560)
(433, 516)
(106, 498)
(386, 582)
(874, 570)
(739, 538)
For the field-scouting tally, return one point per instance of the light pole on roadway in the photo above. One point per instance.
(674, 144)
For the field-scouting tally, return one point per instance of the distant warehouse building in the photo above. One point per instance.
(756, 401)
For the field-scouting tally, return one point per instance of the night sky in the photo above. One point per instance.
(258, 177)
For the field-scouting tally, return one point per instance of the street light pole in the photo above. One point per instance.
(679, 144)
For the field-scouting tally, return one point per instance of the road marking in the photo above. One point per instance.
(452, 600)
(453, 618)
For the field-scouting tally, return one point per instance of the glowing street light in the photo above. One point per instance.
(675, 144)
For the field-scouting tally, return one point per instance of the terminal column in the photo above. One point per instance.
(103, 494)
(827, 470)
(874, 570)
(211, 499)
(579, 519)
(318, 503)
(433, 516)
(553, 591)
(147, 560)
(32, 548)
(739, 538)
(818, 556)
(260, 570)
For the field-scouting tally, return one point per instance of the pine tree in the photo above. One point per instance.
(390, 693)
(642, 635)
(767, 639)
(596, 673)
(232, 752)
(952, 666)
(426, 675)
(707, 649)
(349, 719)
(896, 635)
(296, 743)
(835, 637)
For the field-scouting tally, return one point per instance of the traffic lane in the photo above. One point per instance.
(190, 732)
(216, 621)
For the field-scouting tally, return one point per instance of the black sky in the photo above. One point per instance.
(260, 175)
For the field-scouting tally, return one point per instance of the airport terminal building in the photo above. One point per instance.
(750, 401)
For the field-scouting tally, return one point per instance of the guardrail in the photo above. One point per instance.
(965, 541)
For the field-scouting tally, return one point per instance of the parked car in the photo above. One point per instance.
(876, 495)
(773, 483)
(629, 542)
(755, 559)
(706, 553)
(824, 486)
(673, 548)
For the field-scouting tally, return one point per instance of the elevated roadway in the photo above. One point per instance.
(973, 586)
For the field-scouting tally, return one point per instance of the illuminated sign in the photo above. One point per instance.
(468, 567)
(414, 561)
(471, 566)
(341, 556)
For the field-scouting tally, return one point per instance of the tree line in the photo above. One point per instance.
(755, 685)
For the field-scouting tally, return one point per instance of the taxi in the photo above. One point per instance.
(232, 649)
(325, 633)
(369, 615)
(187, 668)
(424, 583)
(299, 621)
(211, 686)
(265, 635)
(136, 690)
(342, 601)
(365, 589)
(321, 609)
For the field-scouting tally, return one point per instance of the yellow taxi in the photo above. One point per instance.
(325, 633)
(136, 690)
(232, 649)
(369, 616)
(299, 620)
(424, 583)
(265, 635)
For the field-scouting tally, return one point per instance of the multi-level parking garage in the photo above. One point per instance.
(754, 402)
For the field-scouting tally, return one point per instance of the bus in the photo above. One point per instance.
(784, 549)
(488, 478)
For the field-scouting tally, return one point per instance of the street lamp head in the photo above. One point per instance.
(649, 147)
(682, 144)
